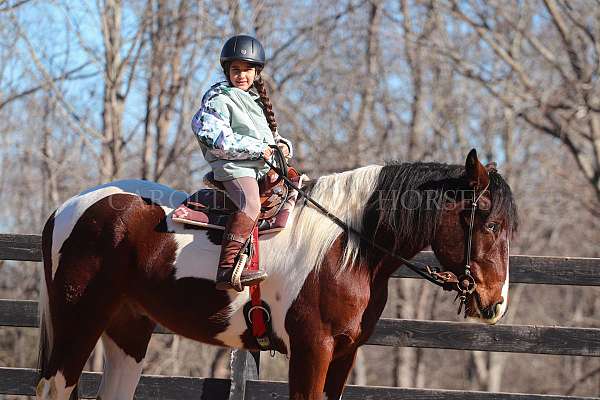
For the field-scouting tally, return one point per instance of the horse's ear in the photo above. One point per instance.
(477, 174)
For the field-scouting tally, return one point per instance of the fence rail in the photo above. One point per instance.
(388, 332)
(578, 271)
(415, 333)
(22, 381)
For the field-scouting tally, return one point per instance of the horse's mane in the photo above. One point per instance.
(409, 199)
(370, 198)
(344, 195)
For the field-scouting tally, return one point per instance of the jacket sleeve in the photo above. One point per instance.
(212, 128)
(288, 143)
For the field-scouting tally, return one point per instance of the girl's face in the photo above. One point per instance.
(242, 74)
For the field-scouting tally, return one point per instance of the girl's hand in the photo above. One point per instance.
(267, 153)
(284, 149)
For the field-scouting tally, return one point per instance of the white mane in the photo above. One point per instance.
(312, 233)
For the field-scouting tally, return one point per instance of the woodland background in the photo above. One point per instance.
(98, 90)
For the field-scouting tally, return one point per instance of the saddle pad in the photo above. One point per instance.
(185, 215)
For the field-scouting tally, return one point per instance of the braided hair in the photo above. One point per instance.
(261, 88)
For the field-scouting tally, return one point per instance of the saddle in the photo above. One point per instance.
(211, 207)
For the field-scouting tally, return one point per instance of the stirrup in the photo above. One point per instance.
(237, 281)
(236, 275)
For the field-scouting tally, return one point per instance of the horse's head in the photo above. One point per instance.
(494, 221)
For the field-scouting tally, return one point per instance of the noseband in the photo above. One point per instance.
(464, 285)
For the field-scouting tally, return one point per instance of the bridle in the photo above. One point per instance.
(464, 285)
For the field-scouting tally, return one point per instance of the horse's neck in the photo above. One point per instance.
(384, 264)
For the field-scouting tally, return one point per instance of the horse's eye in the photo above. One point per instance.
(493, 227)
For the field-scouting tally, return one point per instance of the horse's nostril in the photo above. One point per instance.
(489, 312)
(493, 310)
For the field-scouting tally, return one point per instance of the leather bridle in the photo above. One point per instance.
(464, 285)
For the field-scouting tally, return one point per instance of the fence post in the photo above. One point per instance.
(245, 365)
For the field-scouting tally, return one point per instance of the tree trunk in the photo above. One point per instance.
(169, 36)
(413, 58)
(51, 198)
(404, 357)
(359, 370)
(113, 101)
(369, 83)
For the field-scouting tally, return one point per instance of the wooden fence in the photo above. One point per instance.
(389, 332)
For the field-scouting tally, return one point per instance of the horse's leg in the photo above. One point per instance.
(125, 343)
(80, 309)
(337, 374)
(72, 345)
(309, 360)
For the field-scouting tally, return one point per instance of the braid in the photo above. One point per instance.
(261, 88)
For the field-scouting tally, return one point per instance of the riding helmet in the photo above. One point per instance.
(245, 48)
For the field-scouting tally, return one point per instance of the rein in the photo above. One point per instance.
(464, 285)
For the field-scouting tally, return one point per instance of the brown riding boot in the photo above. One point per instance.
(238, 230)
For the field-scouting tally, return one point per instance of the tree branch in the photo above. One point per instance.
(66, 76)
(13, 6)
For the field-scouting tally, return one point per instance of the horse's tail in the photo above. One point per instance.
(45, 323)
(46, 338)
(46, 331)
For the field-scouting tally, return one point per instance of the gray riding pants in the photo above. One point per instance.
(244, 193)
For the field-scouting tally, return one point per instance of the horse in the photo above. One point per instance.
(116, 265)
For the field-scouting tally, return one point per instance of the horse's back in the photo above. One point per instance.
(96, 207)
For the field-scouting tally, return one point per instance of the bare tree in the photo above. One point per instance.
(550, 84)
(171, 32)
(352, 82)
(118, 79)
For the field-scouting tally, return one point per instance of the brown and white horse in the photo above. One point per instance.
(115, 265)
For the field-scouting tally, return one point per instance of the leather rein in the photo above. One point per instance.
(464, 285)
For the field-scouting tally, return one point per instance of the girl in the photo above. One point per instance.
(235, 126)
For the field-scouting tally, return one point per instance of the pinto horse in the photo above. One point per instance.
(115, 266)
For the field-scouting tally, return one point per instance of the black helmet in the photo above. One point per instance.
(245, 48)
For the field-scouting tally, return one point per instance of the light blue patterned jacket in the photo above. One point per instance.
(233, 132)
